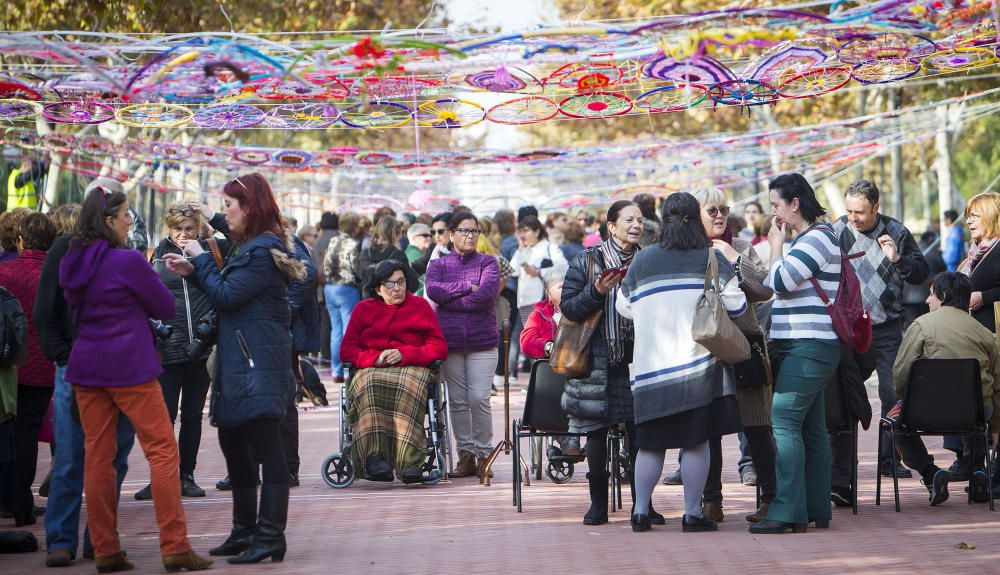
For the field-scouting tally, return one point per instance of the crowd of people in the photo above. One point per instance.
(224, 308)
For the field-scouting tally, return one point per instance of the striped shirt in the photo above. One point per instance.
(798, 311)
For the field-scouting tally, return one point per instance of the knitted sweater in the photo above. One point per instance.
(22, 276)
(798, 311)
(410, 327)
(468, 318)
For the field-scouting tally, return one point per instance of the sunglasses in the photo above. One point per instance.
(423, 235)
(714, 210)
(186, 212)
(439, 232)
(237, 180)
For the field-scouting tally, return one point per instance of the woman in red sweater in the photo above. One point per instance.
(391, 339)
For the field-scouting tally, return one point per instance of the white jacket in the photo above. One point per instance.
(531, 290)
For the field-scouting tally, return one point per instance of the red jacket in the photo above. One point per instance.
(21, 277)
(539, 330)
(410, 327)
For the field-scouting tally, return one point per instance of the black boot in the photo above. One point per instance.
(598, 512)
(270, 538)
(244, 523)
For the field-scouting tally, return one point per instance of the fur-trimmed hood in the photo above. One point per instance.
(288, 264)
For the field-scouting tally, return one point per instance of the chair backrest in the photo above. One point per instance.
(542, 409)
(943, 396)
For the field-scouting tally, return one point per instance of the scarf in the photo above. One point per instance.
(617, 329)
(977, 251)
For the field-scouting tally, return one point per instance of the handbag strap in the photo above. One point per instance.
(213, 246)
(712, 272)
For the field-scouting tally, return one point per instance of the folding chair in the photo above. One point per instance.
(943, 397)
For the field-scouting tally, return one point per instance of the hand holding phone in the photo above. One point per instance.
(614, 271)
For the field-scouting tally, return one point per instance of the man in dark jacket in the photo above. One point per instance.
(305, 339)
(56, 331)
(329, 228)
(891, 259)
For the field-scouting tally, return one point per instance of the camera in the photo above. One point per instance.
(161, 330)
(204, 336)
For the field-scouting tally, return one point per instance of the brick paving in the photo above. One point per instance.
(462, 527)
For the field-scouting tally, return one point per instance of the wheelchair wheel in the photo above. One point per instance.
(435, 476)
(559, 471)
(337, 471)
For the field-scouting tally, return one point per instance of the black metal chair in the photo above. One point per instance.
(943, 397)
(543, 416)
(839, 422)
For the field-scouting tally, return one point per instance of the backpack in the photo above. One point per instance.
(13, 330)
(850, 318)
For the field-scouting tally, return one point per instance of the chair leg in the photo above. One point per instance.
(613, 464)
(516, 483)
(895, 478)
(878, 471)
(990, 462)
(854, 468)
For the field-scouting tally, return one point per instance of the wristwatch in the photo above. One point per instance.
(548, 348)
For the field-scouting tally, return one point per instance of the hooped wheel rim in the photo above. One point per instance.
(449, 113)
(595, 105)
(523, 111)
(376, 114)
(664, 99)
(815, 82)
(153, 115)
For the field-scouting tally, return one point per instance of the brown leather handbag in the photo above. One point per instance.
(571, 350)
(712, 326)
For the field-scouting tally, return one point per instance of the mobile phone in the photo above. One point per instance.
(614, 271)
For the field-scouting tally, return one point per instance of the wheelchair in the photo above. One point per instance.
(338, 470)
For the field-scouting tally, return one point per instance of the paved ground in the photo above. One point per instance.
(462, 527)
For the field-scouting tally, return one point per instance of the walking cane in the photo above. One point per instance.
(506, 445)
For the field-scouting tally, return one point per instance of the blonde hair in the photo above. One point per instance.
(174, 216)
(484, 244)
(987, 206)
(710, 195)
(64, 217)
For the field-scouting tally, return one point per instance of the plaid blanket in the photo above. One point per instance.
(387, 410)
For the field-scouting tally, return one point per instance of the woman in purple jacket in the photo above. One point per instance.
(113, 292)
(464, 285)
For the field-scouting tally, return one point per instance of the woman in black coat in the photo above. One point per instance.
(385, 246)
(253, 377)
(185, 378)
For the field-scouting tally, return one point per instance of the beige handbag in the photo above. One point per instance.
(712, 327)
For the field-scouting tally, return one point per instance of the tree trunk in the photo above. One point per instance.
(943, 164)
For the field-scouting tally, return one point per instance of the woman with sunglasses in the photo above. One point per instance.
(755, 403)
(392, 340)
(253, 381)
(464, 284)
(185, 378)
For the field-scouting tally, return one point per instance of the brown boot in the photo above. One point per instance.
(466, 465)
(759, 515)
(712, 511)
(188, 560)
(113, 563)
(479, 467)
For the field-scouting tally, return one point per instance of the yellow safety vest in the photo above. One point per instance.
(23, 197)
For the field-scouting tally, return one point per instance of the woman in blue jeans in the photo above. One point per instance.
(343, 285)
(809, 352)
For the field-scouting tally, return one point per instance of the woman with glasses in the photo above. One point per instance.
(755, 403)
(464, 284)
(534, 254)
(385, 246)
(185, 378)
(253, 379)
(982, 266)
(392, 340)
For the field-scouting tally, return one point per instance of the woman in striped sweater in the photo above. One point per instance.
(809, 353)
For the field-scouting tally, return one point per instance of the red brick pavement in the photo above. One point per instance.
(462, 527)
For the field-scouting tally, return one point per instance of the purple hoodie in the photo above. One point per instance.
(112, 294)
(468, 318)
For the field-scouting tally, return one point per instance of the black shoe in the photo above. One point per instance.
(773, 527)
(412, 475)
(656, 518)
(980, 490)
(226, 484)
(820, 523)
(189, 488)
(960, 469)
(144, 494)
(270, 538)
(571, 447)
(692, 524)
(376, 469)
(841, 496)
(938, 488)
(293, 479)
(597, 482)
(673, 479)
(640, 523)
(901, 472)
(244, 524)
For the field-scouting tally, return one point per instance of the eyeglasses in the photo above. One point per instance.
(391, 285)
(439, 232)
(469, 232)
(714, 210)
(186, 212)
